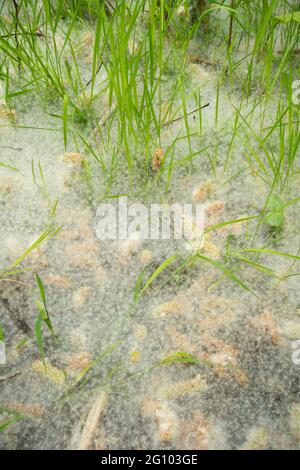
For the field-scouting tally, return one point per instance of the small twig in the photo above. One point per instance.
(15, 282)
(17, 149)
(9, 376)
(111, 111)
(97, 71)
(91, 425)
(26, 33)
(109, 8)
(196, 59)
(105, 118)
(182, 117)
(282, 51)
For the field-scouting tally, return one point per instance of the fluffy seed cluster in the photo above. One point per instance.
(51, 372)
(194, 385)
(135, 356)
(8, 113)
(214, 207)
(211, 249)
(157, 159)
(175, 305)
(203, 191)
(74, 157)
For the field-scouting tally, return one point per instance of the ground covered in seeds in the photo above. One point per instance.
(195, 362)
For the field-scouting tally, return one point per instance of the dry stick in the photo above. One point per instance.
(16, 7)
(281, 51)
(182, 117)
(17, 149)
(90, 428)
(109, 8)
(3, 279)
(196, 59)
(39, 34)
(97, 71)
(107, 115)
(111, 111)
(113, 108)
(105, 118)
(9, 376)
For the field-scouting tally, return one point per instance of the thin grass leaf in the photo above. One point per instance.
(229, 222)
(42, 307)
(157, 272)
(46, 235)
(83, 373)
(226, 271)
(16, 416)
(294, 16)
(271, 252)
(65, 120)
(183, 358)
(9, 167)
(39, 338)
(41, 287)
(9, 422)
